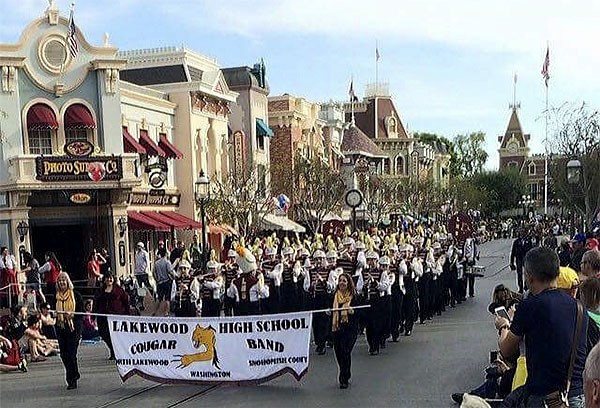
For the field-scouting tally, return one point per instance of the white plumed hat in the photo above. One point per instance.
(245, 260)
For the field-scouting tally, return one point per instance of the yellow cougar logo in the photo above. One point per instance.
(202, 336)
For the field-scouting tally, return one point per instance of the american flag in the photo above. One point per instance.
(71, 39)
(546, 66)
(377, 55)
(353, 97)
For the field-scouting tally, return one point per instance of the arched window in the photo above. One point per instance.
(393, 125)
(399, 165)
(531, 169)
(79, 124)
(386, 167)
(41, 129)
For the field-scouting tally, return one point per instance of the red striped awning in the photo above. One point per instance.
(160, 221)
(162, 216)
(78, 116)
(130, 145)
(178, 218)
(41, 116)
(170, 149)
(151, 147)
(138, 221)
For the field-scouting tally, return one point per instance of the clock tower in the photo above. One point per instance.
(514, 148)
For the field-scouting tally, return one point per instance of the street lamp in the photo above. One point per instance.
(202, 195)
(573, 171)
(122, 225)
(22, 230)
(526, 202)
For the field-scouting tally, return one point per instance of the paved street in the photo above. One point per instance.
(442, 357)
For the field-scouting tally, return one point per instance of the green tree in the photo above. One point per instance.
(319, 190)
(502, 189)
(470, 152)
(576, 135)
(431, 139)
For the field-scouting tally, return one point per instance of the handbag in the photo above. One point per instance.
(557, 399)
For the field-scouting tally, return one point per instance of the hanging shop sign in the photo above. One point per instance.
(80, 198)
(154, 198)
(79, 148)
(69, 168)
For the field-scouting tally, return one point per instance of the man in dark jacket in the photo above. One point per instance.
(520, 247)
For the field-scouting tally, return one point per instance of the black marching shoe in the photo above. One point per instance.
(343, 386)
(72, 386)
(457, 397)
(395, 339)
(320, 351)
(408, 333)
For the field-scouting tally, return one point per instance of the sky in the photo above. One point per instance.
(450, 65)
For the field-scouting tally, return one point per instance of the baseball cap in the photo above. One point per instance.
(567, 278)
(592, 244)
(579, 237)
(140, 245)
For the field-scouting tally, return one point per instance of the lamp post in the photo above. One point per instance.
(22, 230)
(202, 195)
(122, 225)
(574, 170)
(526, 201)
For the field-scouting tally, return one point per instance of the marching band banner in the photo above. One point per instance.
(198, 350)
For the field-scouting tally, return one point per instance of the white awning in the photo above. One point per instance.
(332, 217)
(277, 222)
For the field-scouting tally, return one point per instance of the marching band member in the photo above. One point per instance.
(316, 286)
(470, 254)
(376, 282)
(230, 272)
(302, 275)
(272, 270)
(249, 288)
(438, 300)
(213, 288)
(411, 280)
(425, 283)
(385, 297)
(290, 271)
(185, 292)
(399, 270)
(408, 270)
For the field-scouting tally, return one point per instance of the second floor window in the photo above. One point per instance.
(41, 129)
(40, 141)
(79, 124)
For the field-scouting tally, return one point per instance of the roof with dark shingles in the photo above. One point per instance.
(356, 141)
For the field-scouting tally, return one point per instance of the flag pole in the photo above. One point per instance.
(352, 97)
(546, 160)
(546, 145)
(376, 124)
(376, 68)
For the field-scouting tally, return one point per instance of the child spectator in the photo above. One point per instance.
(90, 328)
(32, 298)
(35, 342)
(48, 321)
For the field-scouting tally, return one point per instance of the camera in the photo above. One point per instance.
(493, 371)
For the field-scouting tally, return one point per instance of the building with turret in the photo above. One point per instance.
(378, 118)
(514, 153)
